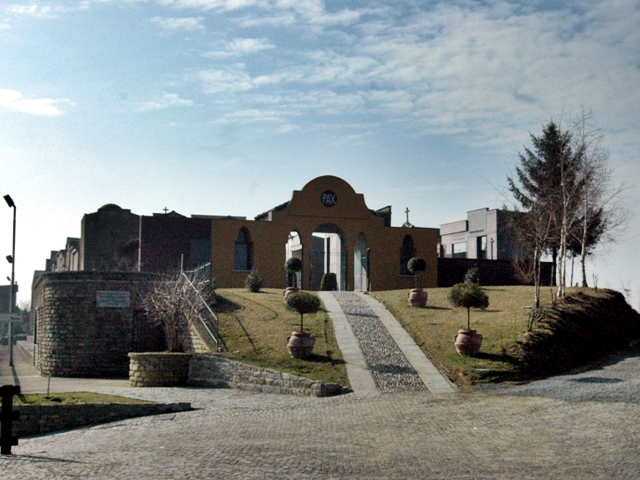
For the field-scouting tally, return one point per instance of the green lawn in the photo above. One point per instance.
(501, 325)
(255, 327)
(67, 398)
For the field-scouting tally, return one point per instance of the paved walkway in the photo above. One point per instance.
(380, 355)
(23, 373)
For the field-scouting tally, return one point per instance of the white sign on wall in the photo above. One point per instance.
(113, 299)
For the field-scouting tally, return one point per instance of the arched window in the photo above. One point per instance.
(243, 251)
(407, 252)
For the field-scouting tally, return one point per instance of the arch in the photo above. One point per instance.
(327, 254)
(294, 248)
(407, 252)
(360, 264)
(243, 251)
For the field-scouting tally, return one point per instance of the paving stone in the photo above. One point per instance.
(236, 434)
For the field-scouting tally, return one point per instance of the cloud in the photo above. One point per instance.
(273, 11)
(232, 79)
(45, 107)
(240, 46)
(168, 100)
(31, 10)
(182, 23)
(487, 72)
(210, 4)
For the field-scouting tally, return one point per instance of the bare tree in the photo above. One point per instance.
(603, 216)
(535, 229)
(174, 303)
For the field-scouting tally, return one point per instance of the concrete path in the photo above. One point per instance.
(24, 374)
(359, 369)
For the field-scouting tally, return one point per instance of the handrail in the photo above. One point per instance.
(203, 322)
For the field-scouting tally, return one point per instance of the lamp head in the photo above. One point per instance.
(9, 259)
(9, 200)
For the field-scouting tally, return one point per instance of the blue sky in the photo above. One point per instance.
(226, 107)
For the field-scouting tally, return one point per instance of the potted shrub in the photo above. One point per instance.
(417, 296)
(292, 266)
(329, 282)
(301, 343)
(468, 295)
(254, 282)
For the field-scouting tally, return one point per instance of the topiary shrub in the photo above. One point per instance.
(303, 302)
(416, 265)
(293, 265)
(468, 295)
(254, 282)
(329, 282)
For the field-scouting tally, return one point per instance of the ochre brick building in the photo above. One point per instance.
(329, 227)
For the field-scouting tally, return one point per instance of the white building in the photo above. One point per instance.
(485, 234)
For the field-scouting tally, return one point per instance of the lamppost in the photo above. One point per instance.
(12, 260)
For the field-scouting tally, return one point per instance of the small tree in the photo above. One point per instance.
(468, 295)
(293, 265)
(254, 282)
(303, 302)
(174, 303)
(416, 265)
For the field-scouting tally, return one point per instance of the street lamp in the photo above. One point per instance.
(12, 260)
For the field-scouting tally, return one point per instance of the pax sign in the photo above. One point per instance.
(329, 199)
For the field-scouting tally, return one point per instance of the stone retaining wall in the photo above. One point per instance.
(40, 419)
(158, 369)
(216, 371)
(78, 336)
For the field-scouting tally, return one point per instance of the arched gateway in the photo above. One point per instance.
(329, 227)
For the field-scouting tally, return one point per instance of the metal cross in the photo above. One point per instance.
(165, 210)
(407, 212)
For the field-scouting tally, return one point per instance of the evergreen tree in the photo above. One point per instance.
(549, 192)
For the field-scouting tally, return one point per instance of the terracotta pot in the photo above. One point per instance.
(288, 291)
(468, 342)
(417, 297)
(300, 344)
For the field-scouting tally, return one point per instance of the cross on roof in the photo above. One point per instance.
(407, 212)
(165, 210)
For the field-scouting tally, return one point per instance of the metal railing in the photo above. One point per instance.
(203, 307)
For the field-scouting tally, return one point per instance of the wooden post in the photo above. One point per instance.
(7, 416)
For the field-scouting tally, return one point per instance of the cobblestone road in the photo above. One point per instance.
(236, 434)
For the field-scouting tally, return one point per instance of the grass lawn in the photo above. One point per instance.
(67, 398)
(255, 327)
(501, 325)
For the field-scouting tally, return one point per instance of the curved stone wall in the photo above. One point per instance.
(87, 322)
(158, 369)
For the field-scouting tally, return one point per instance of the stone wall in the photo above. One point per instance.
(158, 369)
(81, 332)
(40, 419)
(216, 371)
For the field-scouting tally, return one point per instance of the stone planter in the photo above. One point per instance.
(289, 291)
(300, 344)
(417, 297)
(159, 369)
(468, 342)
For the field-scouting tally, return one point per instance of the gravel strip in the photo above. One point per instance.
(389, 367)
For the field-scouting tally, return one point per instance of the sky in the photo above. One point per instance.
(226, 107)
